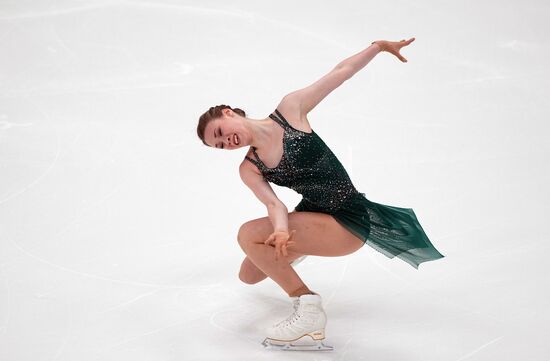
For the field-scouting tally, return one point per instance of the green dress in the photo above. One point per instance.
(309, 167)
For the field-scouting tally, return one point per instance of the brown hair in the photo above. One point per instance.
(211, 114)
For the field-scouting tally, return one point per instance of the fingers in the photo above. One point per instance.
(280, 245)
(401, 44)
(404, 42)
(282, 249)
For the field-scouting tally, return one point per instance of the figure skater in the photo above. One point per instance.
(332, 219)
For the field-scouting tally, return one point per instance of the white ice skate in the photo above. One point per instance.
(295, 302)
(303, 330)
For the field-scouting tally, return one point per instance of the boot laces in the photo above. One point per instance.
(290, 319)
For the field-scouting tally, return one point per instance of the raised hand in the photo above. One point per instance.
(394, 47)
(280, 240)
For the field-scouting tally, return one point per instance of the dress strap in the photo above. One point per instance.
(251, 160)
(258, 162)
(281, 116)
(280, 119)
(282, 123)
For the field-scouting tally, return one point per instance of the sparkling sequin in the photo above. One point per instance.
(309, 167)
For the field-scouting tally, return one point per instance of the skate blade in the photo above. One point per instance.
(298, 345)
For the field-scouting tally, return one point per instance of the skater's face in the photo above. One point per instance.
(221, 132)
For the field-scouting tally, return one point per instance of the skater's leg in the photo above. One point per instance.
(317, 234)
(251, 274)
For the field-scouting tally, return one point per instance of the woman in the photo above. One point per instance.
(333, 217)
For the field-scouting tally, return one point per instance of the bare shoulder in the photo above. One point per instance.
(290, 108)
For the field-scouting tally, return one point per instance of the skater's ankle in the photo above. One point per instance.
(301, 291)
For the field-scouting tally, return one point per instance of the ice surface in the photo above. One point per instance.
(118, 227)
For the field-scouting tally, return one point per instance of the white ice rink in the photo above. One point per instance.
(118, 226)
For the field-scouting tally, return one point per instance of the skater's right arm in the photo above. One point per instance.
(276, 210)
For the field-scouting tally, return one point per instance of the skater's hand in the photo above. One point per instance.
(393, 47)
(280, 240)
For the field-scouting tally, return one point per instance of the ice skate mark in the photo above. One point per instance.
(202, 290)
(338, 284)
(373, 257)
(244, 306)
(4, 124)
(300, 30)
(344, 349)
(62, 43)
(68, 334)
(488, 71)
(518, 45)
(178, 144)
(184, 68)
(467, 262)
(78, 135)
(39, 178)
(247, 15)
(7, 33)
(479, 348)
(201, 10)
(130, 56)
(103, 278)
(482, 79)
(206, 289)
(130, 339)
(57, 12)
(126, 303)
(418, 285)
(55, 238)
(4, 328)
(510, 44)
(237, 333)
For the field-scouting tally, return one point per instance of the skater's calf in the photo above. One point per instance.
(250, 274)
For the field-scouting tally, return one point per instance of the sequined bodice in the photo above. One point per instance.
(309, 167)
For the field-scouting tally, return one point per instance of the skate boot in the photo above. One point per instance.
(295, 302)
(302, 330)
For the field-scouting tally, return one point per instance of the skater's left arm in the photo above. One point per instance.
(312, 95)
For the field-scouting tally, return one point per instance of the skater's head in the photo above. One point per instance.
(218, 126)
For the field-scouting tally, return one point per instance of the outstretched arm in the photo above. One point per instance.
(312, 95)
(358, 61)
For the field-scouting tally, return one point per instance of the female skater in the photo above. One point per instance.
(332, 219)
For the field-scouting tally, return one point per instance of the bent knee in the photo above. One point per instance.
(250, 280)
(249, 273)
(245, 233)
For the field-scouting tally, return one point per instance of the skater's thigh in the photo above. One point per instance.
(317, 234)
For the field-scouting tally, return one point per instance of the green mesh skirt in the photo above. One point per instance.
(392, 231)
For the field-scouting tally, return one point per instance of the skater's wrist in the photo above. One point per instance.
(379, 44)
(278, 215)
